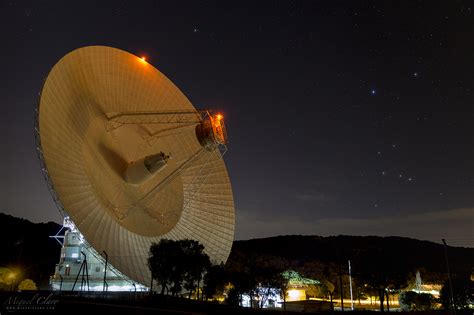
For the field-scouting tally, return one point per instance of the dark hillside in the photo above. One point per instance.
(408, 254)
(27, 248)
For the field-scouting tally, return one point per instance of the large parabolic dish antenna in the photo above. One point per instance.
(130, 160)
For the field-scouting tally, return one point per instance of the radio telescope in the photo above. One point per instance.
(130, 161)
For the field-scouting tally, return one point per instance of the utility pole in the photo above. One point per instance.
(350, 285)
(453, 308)
(341, 288)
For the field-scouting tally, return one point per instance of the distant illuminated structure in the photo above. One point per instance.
(297, 286)
(427, 288)
(129, 161)
(418, 282)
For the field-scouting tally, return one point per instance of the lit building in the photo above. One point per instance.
(82, 268)
(297, 286)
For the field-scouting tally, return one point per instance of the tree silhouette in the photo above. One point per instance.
(463, 291)
(195, 261)
(412, 301)
(215, 280)
(326, 273)
(173, 263)
(257, 276)
(162, 260)
(378, 271)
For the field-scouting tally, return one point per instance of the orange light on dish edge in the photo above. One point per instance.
(143, 59)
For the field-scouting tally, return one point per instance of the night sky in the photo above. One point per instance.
(344, 117)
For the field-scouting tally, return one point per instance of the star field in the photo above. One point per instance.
(337, 113)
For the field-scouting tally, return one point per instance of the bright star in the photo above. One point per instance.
(373, 92)
(415, 74)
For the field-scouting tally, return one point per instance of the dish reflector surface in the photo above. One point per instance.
(119, 145)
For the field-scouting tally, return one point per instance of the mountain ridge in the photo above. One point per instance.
(28, 246)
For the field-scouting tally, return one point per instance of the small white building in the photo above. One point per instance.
(82, 268)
